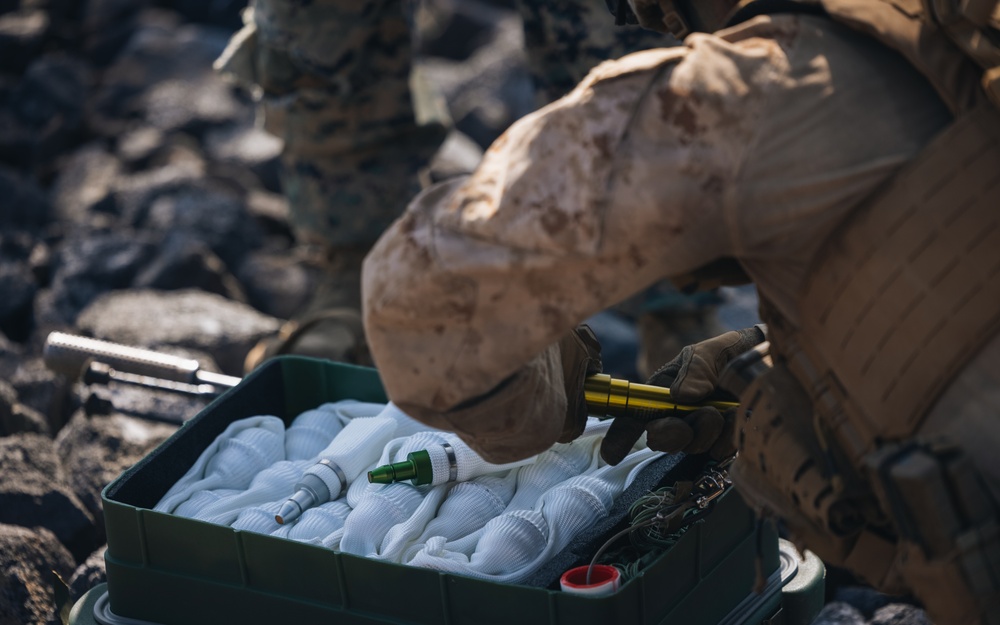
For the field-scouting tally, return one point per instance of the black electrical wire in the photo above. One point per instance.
(650, 516)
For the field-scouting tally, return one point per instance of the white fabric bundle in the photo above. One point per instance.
(243, 466)
(516, 543)
(500, 526)
(468, 507)
(322, 525)
(401, 535)
(201, 499)
(312, 430)
(376, 513)
(243, 450)
(238, 453)
(271, 484)
(559, 463)
(259, 519)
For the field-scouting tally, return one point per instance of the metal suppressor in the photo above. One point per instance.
(72, 356)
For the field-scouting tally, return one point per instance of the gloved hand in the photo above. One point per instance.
(580, 352)
(692, 376)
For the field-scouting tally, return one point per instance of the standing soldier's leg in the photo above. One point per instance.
(565, 39)
(333, 81)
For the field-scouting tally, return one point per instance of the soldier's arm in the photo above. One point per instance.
(574, 208)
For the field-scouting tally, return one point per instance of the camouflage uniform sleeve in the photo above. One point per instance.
(575, 207)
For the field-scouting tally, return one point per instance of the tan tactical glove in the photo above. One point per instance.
(539, 404)
(692, 377)
(580, 352)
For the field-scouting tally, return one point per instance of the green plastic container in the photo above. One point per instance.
(176, 571)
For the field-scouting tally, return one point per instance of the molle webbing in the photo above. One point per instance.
(907, 290)
(974, 26)
(904, 26)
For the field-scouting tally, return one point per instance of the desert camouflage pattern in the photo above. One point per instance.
(333, 78)
(658, 163)
(756, 143)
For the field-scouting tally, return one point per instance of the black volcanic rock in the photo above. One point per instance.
(28, 557)
(82, 191)
(186, 262)
(89, 574)
(164, 74)
(22, 34)
(44, 391)
(94, 450)
(225, 13)
(108, 25)
(275, 285)
(90, 264)
(193, 319)
(248, 148)
(837, 613)
(50, 101)
(40, 496)
(208, 212)
(900, 614)
(15, 417)
(17, 296)
(23, 203)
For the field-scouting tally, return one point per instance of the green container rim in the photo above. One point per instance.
(153, 557)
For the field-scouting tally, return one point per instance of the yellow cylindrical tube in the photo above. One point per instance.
(613, 397)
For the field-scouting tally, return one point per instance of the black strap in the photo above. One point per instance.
(770, 7)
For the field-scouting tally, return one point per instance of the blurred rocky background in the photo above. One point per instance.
(140, 204)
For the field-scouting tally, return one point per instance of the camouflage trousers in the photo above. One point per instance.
(334, 82)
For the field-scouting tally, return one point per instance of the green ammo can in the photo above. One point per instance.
(168, 570)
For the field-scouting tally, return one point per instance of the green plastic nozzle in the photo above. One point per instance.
(416, 467)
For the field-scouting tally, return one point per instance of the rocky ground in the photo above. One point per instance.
(140, 204)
